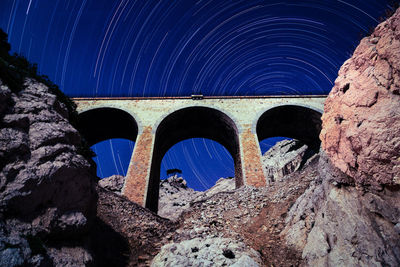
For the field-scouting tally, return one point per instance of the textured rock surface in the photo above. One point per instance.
(361, 122)
(222, 185)
(341, 226)
(46, 188)
(175, 196)
(207, 252)
(283, 158)
(253, 216)
(113, 183)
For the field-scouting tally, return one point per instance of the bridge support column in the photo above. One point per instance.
(253, 172)
(137, 177)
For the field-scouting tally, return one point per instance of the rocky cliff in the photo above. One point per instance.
(361, 120)
(333, 225)
(47, 195)
(350, 214)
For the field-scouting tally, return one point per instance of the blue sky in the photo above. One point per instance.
(177, 48)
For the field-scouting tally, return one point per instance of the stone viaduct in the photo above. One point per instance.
(156, 124)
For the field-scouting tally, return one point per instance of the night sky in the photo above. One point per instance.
(178, 48)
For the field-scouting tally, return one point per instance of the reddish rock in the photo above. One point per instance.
(361, 122)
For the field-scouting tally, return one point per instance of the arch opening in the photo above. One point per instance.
(112, 156)
(269, 142)
(187, 123)
(205, 162)
(296, 122)
(111, 134)
(282, 132)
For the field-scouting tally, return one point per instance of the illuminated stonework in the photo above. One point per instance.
(156, 124)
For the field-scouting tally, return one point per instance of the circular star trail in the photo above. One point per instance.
(178, 48)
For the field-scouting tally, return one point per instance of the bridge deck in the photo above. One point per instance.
(190, 97)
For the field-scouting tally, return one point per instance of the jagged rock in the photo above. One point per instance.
(222, 185)
(361, 120)
(175, 197)
(46, 187)
(113, 183)
(283, 158)
(207, 252)
(341, 226)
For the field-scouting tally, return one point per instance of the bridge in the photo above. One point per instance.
(238, 123)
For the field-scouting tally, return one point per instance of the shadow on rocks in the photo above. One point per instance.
(108, 247)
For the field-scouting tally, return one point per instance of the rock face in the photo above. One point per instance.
(207, 252)
(340, 226)
(46, 188)
(361, 121)
(113, 183)
(222, 185)
(283, 158)
(175, 197)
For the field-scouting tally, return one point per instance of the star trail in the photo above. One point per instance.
(178, 48)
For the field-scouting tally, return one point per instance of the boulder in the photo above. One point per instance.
(113, 183)
(361, 120)
(207, 252)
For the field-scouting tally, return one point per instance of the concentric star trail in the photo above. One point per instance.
(177, 48)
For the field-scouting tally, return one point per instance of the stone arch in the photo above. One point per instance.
(294, 121)
(104, 123)
(186, 123)
(174, 109)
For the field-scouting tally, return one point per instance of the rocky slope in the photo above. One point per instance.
(334, 225)
(46, 187)
(175, 196)
(361, 120)
(126, 233)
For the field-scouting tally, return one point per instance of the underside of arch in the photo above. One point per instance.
(291, 121)
(100, 124)
(193, 122)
